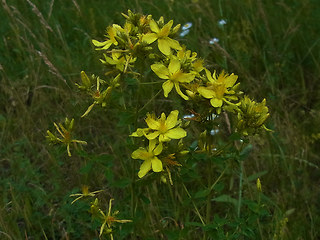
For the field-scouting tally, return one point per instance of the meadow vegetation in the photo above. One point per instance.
(273, 48)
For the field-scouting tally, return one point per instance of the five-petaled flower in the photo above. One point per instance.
(149, 155)
(174, 75)
(164, 42)
(219, 90)
(165, 128)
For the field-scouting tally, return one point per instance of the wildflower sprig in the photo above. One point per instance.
(220, 89)
(159, 132)
(99, 95)
(65, 135)
(252, 116)
(109, 219)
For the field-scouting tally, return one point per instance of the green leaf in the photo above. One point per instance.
(202, 193)
(226, 198)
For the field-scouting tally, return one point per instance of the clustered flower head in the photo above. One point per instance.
(144, 45)
(177, 68)
(160, 131)
(252, 116)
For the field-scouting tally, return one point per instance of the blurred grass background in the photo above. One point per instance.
(272, 45)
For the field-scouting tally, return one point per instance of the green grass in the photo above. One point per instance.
(272, 45)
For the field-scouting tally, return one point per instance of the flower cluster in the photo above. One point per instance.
(160, 131)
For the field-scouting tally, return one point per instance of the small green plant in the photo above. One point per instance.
(196, 120)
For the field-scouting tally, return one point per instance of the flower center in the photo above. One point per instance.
(163, 128)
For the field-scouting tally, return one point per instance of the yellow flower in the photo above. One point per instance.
(219, 90)
(111, 33)
(164, 42)
(151, 161)
(174, 75)
(165, 128)
(119, 60)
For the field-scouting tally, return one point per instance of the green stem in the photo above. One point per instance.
(194, 205)
(240, 188)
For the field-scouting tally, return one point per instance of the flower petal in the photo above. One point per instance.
(152, 123)
(161, 70)
(149, 38)
(176, 133)
(158, 149)
(167, 87)
(164, 46)
(172, 119)
(174, 66)
(141, 153)
(209, 76)
(165, 30)
(154, 26)
(231, 80)
(207, 93)
(173, 43)
(153, 135)
(164, 138)
(177, 87)
(140, 132)
(185, 77)
(215, 102)
(144, 168)
(156, 164)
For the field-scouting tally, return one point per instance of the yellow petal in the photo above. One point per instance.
(99, 44)
(172, 119)
(161, 70)
(164, 46)
(153, 135)
(231, 80)
(173, 43)
(164, 138)
(144, 168)
(149, 38)
(215, 102)
(158, 149)
(185, 77)
(207, 93)
(177, 87)
(152, 145)
(176, 133)
(165, 30)
(152, 123)
(107, 45)
(139, 133)
(167, 87)
(208, 73)
(154, 26)
(142, 154)
(156, 164)
(174, 66)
